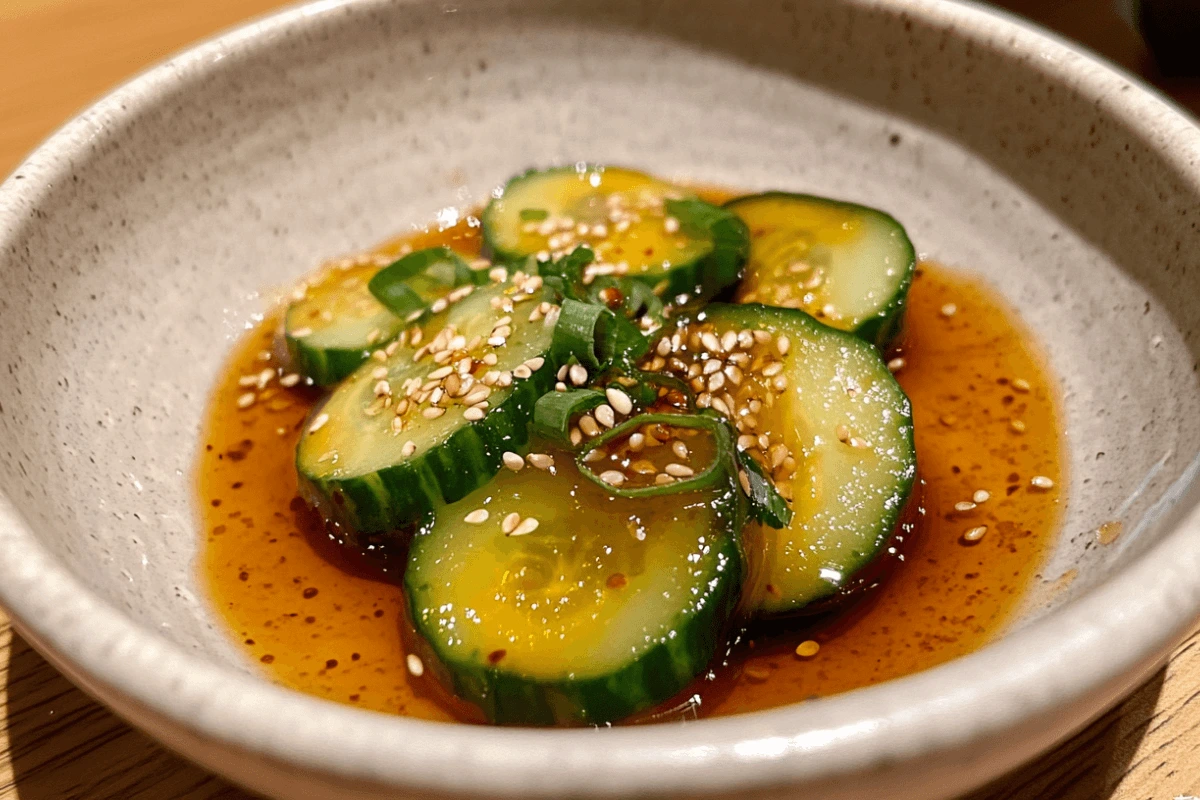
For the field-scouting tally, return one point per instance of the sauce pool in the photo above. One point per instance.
(330, 624)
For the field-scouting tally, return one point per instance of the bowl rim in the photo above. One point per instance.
(1094, 641)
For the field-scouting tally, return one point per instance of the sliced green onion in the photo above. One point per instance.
(731, 242)
(553, 412)
(767, 505)
(575, 332)
(433, 268)
(533, 214)
(569, 268)
(718, 469)
(619, 341)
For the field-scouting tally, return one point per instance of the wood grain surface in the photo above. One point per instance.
(55, 742)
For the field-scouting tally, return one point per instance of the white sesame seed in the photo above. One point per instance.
(318, 423)
(975, 534)
(496, 341)
(662, 479)
(746, 441)
(535, 363)
(679, 470)
(636, 442)
(289, 380)
(409, 448)
(613, 477)
(710, 342)
(619, 401)
(477, 516)
(1020, 385)
(949, 310)
(414, 665)
(474, 414)
(783, 344)
(1041, 482)
(433, 412)
(578, 374)
(605, 416)
(842, 433)
(439, 305)
(439, 373)
(541, 460)
(246, 399)
(576, 436)
(521, 371)
(588, 425)
(729, 341)
(671, 225)
(896, 364)
(980, 496)
(680, 449)
(510, 523)
(527, 526)
(300, 333)
(964, 505)
(512, 460)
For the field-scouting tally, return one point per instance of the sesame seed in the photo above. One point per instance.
(246, 399)
(807, 649)
(605, 416)
(439, 373)
(896, 364)
(716, 381)
(637, 441)
(670, 224)
(512, 460)
(496, 341)
(409, 448)
(744, 480)
(588, 425)
(1020, 385)
(576, 436)
(680, 449)
(477, 516)
(679, 470)
(720, 405)
(710, 342)
(318, 423)
(949, 310)
(613, 477)
(439, 305)
(746, 441)
(779, 383)
(619, 401)
(949, 420)
(842, 433)
(535, 363)
(522, 371)
(300, 333)
(510, 523)
(527, 526)
(289, 380)
(783, 344)
(662, 479)
(1041, 482)
(415, 666)
(729, 340)
(540, 460)
(772, 369)
(975, 534)
(980, 496)
(578, 374)
(474, 414)
(433, 412)
(964, 505)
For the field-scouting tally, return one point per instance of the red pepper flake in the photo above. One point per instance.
(495, 656)
(616, 581)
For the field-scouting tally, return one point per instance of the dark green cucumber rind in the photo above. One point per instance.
(704, 276)
(654, 676)
(887, 324)
(325, 365)
(394, 497)
(771, 318)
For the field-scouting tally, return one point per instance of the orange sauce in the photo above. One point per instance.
(332, 625)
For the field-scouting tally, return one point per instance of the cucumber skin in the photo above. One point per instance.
(888, 323)
(325, 365)
(715, 270)
(383, 501)
(752, 315)
(660, 673)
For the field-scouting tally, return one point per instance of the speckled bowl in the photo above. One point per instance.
(135, 243)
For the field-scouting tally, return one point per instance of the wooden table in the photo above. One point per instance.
(55, 742)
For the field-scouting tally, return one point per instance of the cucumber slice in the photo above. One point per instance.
(610, 606)
(848, 265)
(637, 225)
(377, 456)
(331, 330)
(819, 410)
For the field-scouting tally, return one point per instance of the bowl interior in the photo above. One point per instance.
(135, 262)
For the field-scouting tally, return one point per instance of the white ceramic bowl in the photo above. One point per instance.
(135, 243)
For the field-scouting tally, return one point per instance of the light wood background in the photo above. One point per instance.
(55, 742)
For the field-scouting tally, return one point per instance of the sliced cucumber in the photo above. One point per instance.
(819, 410)
(331, 330)
(609, 606)
(376, 456)
(638, 226)
(848, 265)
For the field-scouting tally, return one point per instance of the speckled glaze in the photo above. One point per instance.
(138, 241)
